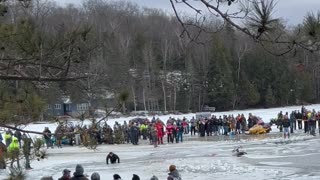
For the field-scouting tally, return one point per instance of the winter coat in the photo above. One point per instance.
(134, 131)
(159, 129)
(113, 158)
(14, 145)
(193, 122)
(3, 149)
(7, 136)
(312, 122)
(286, 123)
(58, 133)
(78, 174)
(26, 148)
(153, 132)
(81, 177)
(47, 134)
(169, 129)
(184, 124)
(292, 117)
(179, 128)
(143, 127)
(174, 175)
(18, 135)
(64, 178)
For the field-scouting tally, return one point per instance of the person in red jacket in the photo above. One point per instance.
(185, 126)
(169, 133)
(159, 126)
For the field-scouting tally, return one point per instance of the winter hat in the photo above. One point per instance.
(154, 178)
(116, 177)
(135, 177)
(95, 176)
(79, 170)
(66, 171)
(172, 168)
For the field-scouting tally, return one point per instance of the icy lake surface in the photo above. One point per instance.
(269, 156)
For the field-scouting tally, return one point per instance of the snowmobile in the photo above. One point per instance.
(238, 152)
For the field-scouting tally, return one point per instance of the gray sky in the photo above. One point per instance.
(293, 11)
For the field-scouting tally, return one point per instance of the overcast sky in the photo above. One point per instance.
(293, 11)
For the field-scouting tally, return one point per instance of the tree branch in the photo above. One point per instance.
(21, 78)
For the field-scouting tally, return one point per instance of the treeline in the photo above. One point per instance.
(124, 48)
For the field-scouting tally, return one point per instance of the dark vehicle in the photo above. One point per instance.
(139, 120)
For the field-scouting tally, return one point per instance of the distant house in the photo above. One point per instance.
(65, 107)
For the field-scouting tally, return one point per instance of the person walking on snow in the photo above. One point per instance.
(14, 151)
(47, 137)
(7, 138)
(179, 132)
(26, 148)
(193, 126)
(286, 125)
(169, 133)
(159, 126)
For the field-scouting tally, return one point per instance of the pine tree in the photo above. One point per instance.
(220, 80)
(250, 94)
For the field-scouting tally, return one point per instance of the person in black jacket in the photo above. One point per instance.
(312, 124)
(286, 125)
(113, 158)
(134, 134)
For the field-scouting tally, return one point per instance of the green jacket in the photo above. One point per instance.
(7, 136)
(143, 127)
(14, 145)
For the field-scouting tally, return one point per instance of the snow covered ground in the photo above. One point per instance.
(269, 157)
(265, 114)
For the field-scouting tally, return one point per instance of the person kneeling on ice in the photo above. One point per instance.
(113, 158)
(237, 152)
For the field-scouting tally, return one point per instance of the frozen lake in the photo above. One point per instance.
(269, 156)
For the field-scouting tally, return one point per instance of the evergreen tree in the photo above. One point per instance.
(250, 94)
(220, 80)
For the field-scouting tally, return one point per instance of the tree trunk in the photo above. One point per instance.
(199, 100)
(144, 99)
(174, 98)
(164, 96)
(123, 107)
(134, 99)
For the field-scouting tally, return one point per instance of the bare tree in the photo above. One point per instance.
(254, 18)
